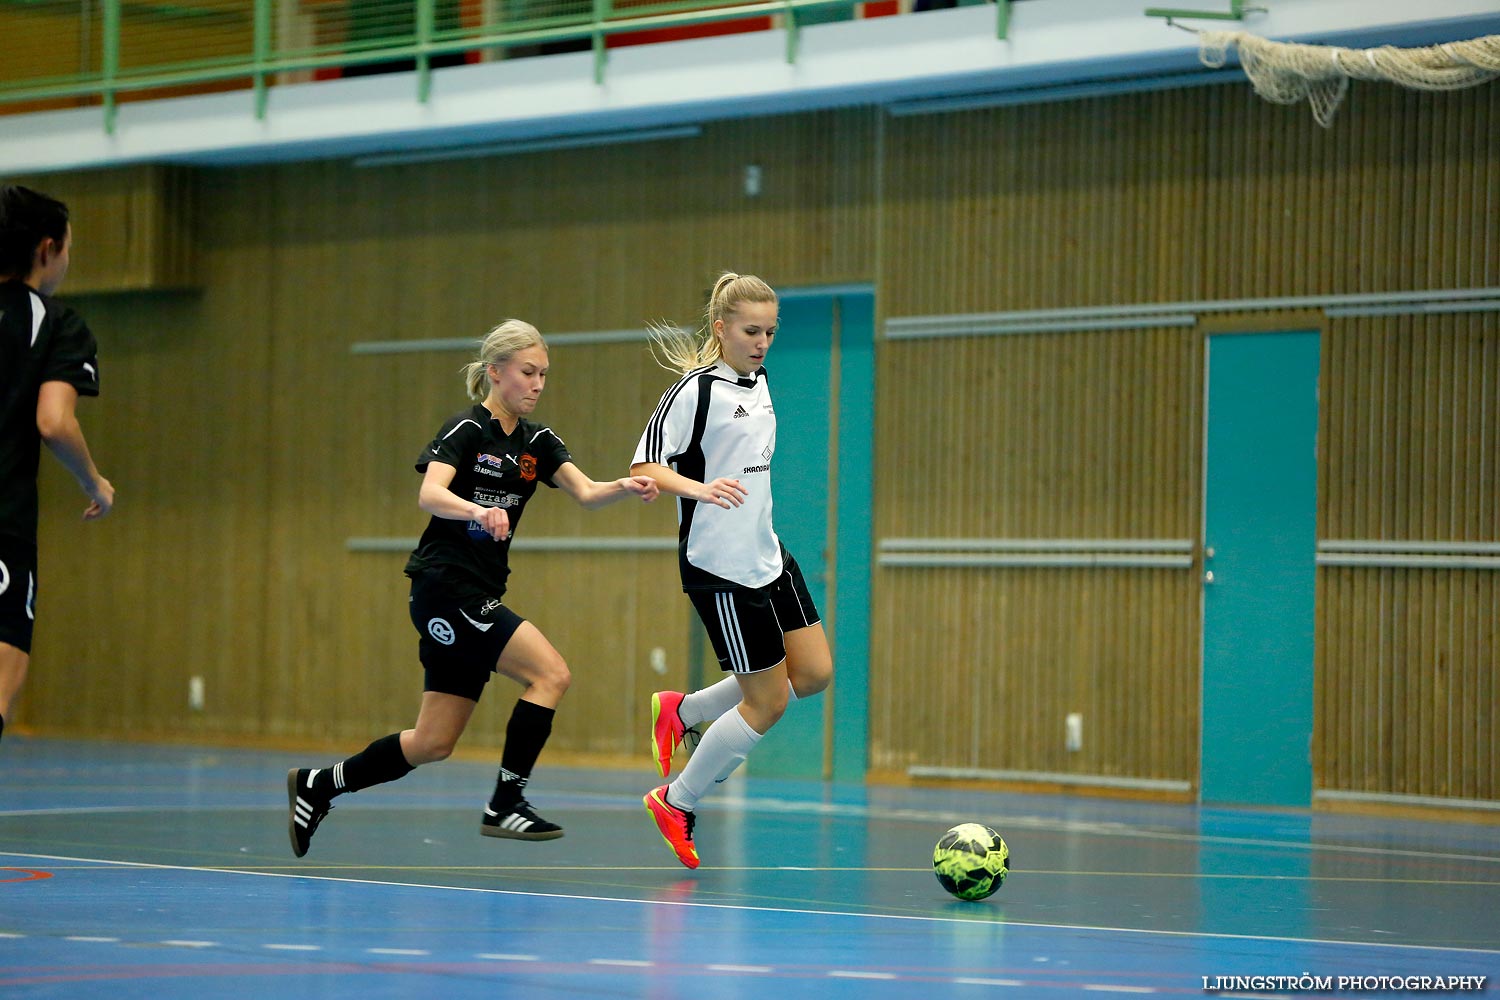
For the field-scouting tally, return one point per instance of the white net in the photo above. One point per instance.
(1288, 73)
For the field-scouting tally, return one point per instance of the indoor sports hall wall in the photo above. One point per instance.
(249, 443)
(1202, 196)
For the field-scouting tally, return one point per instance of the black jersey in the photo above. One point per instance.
(40, 341)
(495, 469)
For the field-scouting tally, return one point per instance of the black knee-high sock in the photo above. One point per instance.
(525, 735)
(376, 764)
(2, 726)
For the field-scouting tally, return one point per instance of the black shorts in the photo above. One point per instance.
(461, 638)
(17, 591)
(746, 626)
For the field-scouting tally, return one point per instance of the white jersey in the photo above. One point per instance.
(712, 424)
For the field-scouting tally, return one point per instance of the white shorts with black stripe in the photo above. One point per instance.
(746, 626)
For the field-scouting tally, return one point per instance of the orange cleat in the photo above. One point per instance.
(676, 825)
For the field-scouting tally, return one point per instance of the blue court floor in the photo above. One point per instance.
(138, 871)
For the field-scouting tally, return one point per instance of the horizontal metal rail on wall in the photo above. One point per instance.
(1048, 777)
(1375, 554)
(1128, 553)
(535, 544)
(445, 344)
(1157, 314)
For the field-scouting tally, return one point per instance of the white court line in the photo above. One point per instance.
(739, 968)
(850, 974)
(1112, 988)
(740, 908)
(597, 802)
(293, 947)
(408, 952)
(510, 958)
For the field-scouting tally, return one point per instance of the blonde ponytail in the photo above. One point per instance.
(675, 349)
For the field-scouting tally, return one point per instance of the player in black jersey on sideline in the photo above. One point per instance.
(710, 443)
(48, 359)
(477, 476)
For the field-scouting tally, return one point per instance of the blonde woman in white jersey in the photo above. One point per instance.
(711, 444)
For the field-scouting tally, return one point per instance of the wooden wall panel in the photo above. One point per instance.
(986, 684)
(1187, 195)
(1184, 196)
(1413, 430)
(1408, 691)
(1407, 656)
(132, 228)
(1046, 436)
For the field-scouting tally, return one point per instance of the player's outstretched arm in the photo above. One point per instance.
(725, 493)
(593, 495)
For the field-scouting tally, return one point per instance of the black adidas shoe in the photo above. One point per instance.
(306, 808)
(520, 822)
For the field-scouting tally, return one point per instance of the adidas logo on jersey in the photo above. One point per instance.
(739, 411)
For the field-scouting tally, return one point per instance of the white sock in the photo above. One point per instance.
(723, 748)
(716, 699)
(709, 703)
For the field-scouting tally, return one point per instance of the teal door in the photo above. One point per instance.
(1260, 544)
(822, 384)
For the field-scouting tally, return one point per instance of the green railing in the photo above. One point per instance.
(144, 48)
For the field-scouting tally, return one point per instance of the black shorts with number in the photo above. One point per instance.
(461, 637)
(17, 591)
(746, 626)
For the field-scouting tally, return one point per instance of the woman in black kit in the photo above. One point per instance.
(48, 359)
(477, 475)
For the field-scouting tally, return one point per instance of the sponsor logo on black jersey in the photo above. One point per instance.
(739, 411)
(492, 465)
(498, 461)
(494, 499)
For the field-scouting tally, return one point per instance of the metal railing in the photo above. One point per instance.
(148, 48)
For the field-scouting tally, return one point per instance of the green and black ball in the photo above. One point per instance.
(971, 861)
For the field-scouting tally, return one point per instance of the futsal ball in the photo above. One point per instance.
(971, 861)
